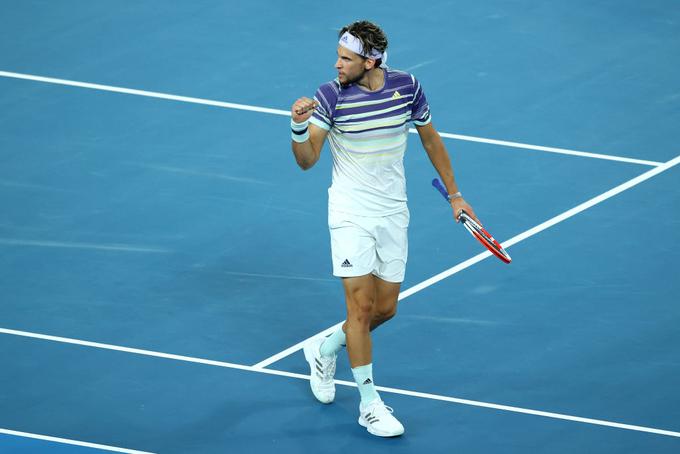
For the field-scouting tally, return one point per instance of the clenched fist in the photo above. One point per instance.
(303, 109)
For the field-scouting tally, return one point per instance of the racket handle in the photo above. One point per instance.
(440, 187)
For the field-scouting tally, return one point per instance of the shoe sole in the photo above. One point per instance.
(377, 433)
(309, 356)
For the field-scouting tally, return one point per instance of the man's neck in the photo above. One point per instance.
(373, 80)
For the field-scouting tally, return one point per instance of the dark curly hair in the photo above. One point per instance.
(370, 35)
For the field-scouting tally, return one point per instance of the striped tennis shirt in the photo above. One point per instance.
(367, 133)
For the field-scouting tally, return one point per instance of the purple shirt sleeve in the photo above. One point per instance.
(420, 109)
(327, 98)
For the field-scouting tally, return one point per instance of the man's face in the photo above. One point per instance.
(351, 67)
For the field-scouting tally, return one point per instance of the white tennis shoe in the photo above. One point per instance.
(377, 418)
(322, 371)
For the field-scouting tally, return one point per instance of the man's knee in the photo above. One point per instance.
(360, 306)
(385, 312)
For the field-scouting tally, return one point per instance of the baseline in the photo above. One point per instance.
(285, 113)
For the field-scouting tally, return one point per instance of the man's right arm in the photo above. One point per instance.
(307, 138)
(307, 153)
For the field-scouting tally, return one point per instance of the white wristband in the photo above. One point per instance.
(299, 126)
(299, 131)
(457, 195)
(300, 137)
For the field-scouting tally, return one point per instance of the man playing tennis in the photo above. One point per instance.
(364, 114)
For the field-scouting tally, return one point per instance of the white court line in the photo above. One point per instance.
(96, 246)
(71, 442)
(526, 146)
(483, 255)
(259, 368)
(527, 411)
(230, 105)
(547, 224)
(149, 94)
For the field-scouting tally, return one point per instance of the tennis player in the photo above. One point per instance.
(365, 114)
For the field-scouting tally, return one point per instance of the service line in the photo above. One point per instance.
(281, 373)
(67, 441)
(483, 255)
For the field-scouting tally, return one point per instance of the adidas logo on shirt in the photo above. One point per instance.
(396, 95)
(346, 264)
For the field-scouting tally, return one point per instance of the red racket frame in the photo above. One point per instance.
(484, 237)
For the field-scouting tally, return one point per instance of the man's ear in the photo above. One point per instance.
(369, 64)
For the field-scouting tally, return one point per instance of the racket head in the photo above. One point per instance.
(484, 237)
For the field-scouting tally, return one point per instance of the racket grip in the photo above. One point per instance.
(440, 187)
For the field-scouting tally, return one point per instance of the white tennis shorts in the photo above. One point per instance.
(363, 245)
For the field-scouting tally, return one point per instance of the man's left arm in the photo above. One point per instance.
(436, 151)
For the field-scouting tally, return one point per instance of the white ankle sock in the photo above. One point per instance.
(333, 344)
(363, 375)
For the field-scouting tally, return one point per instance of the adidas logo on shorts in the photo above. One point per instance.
(346, 264)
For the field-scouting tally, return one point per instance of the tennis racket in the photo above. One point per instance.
(475, 229)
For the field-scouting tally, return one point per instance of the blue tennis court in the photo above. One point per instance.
(162, 257)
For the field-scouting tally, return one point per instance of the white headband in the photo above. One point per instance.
(351, 42)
